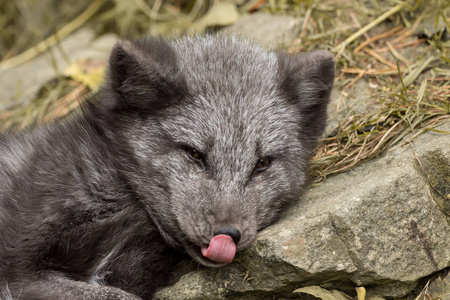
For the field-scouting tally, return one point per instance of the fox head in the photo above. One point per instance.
(220, 130)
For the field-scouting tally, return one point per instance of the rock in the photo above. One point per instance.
(435, 170)
(348, 103)
(325, 294)
(269, 30)
(21, 83)
(439, 288)
(378, 226)
(430, 27)
(221, 14)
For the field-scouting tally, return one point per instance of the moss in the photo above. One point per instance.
(434, 168)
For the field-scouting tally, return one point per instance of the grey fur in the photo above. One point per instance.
(101, 206)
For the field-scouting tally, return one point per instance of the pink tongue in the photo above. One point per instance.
(221, 249)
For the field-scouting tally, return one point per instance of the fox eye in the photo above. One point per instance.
(263, 164)
(194, 154)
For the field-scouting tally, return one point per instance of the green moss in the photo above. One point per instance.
(434, 168)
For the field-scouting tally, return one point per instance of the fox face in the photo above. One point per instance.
(221, 131)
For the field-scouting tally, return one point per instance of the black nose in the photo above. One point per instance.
(233, 232)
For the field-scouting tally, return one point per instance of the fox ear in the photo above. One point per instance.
(306, 81)
(143, 74)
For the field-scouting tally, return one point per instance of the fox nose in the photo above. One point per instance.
(231, 231)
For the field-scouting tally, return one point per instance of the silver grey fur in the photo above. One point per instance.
(101, 205)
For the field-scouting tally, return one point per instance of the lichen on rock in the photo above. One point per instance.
(434, 168)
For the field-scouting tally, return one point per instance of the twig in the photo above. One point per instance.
(360, 75)
(398, 46)
(378, 37)
(384, 137)
(152, 13)
(388, 71)
(378, 57)
(305, 22)
(397, 55)
(341, 47)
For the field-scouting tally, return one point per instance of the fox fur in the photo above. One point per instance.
(187, 136)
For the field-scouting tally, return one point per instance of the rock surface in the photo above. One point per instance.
(439, 288)
(270, 30)
(377, 226)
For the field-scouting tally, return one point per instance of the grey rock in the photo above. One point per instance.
(439, 288)
(377, 226)
(428, 27)
(269, 30)
(21, 83)
(349, 103)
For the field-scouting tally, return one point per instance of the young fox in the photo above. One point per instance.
(193, 146)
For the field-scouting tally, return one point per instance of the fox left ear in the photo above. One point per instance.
(306, 81)
(143, 74)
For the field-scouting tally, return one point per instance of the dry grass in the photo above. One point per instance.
(365, 136)
(55, 100)
(400, 47)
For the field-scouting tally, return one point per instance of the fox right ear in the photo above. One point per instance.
(143, 74)
(306, 80)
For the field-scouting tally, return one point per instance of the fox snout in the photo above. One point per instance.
(234, 233)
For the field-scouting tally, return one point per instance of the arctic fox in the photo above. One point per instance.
(193, 146)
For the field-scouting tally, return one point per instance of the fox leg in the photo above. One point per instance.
(58, 287)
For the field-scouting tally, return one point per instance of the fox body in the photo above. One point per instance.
(193, 146)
